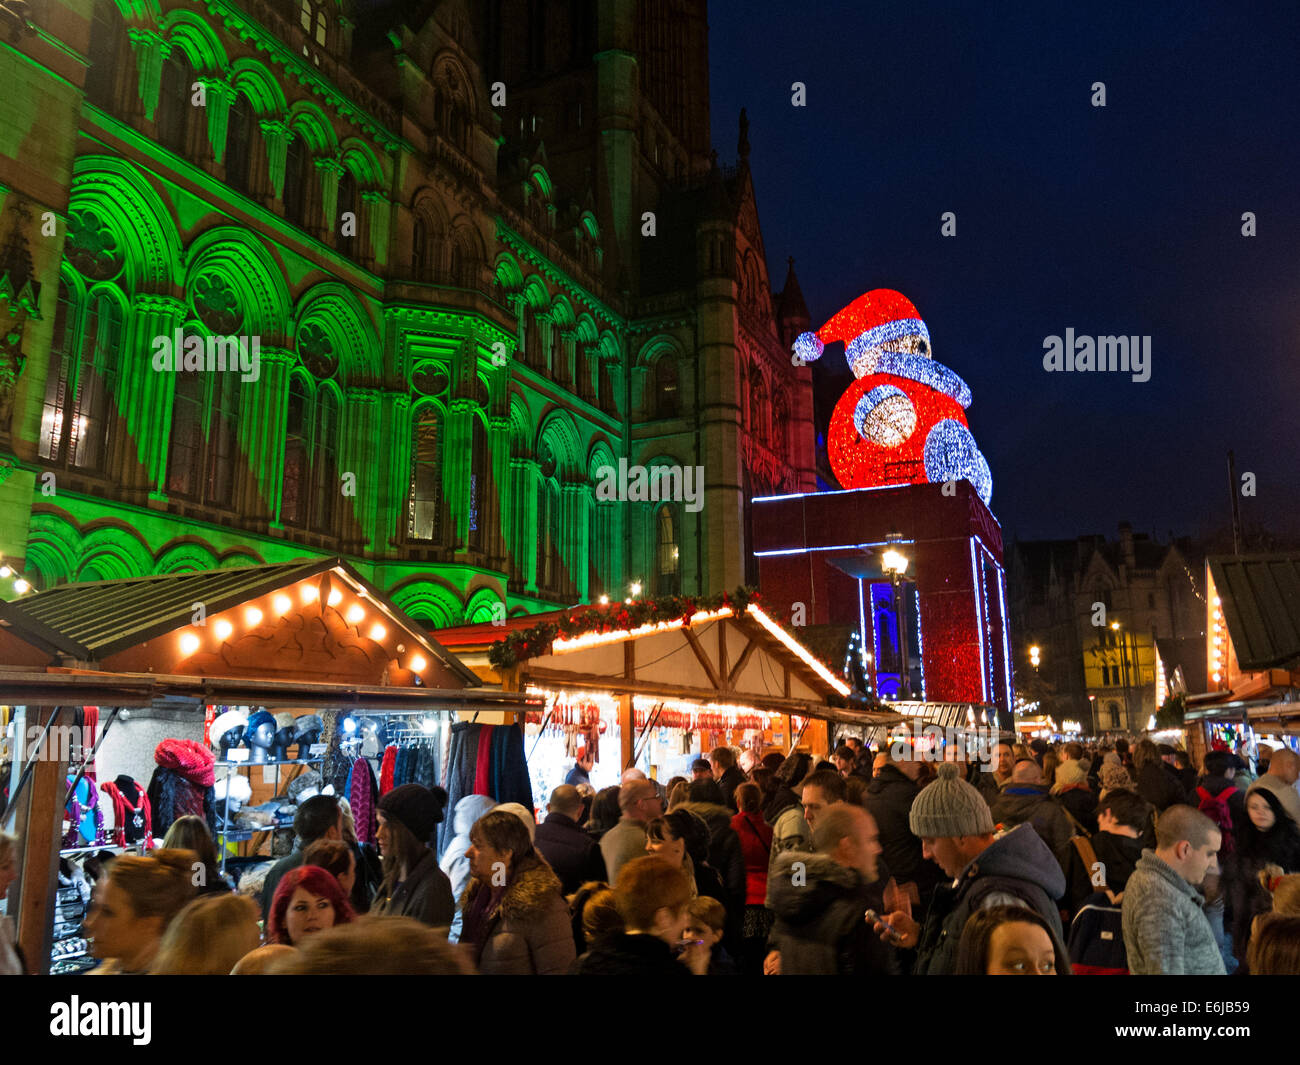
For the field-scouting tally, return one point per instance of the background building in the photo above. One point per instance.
(484, 249)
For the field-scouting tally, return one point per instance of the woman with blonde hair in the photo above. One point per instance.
(133, 905)
(190, 833)
(208, 937)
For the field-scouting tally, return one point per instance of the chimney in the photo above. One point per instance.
(1126, 545)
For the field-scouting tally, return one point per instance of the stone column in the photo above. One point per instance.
(150, 52)
(503, 508)
(457, 455)
(276, 136)
(361, 452)
(526, 475)
(147, 395)
(378, 214)
(328, 226)
(218, 96)
(262, 425)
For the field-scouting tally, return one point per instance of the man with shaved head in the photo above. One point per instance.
(573, 854)
(1283, 771)
(640, 804)
(1166, 932)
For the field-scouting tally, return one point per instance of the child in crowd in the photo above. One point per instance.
(706, 922)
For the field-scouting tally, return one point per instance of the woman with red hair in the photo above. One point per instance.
(307, 899)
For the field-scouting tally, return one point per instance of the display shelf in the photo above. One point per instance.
(68, 852)
(274, 761)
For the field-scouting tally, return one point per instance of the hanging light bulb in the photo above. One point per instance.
(253, 617)
(20, 586)
(336, 597)
(356, 612)
(224, 629)
(281, 604)
(378, 632)
(5, 571)
(418, 663)
(310, 593)
(189, 644)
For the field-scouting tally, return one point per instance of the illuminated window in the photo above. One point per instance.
(424, 507)
(667, 553)
(81, 384)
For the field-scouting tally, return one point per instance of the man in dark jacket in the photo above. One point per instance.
(956, 829)
(990, 784)
(820, 900)
(889, 799)
(729, 777)
(1117, 845)
(581, 771)
(1025, 798)
(572, 854)
(320, 817)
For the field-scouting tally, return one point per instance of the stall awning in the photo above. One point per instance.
(63, 687)
(312, 620)
(1261, 605)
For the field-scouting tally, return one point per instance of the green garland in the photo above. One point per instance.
(613, 617)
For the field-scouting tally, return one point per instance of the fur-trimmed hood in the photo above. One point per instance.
(803, 884)
(530, 893)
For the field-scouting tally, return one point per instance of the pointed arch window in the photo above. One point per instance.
(665, 386)
(667, 553)
(174, 109)
(297, 172)
(81, 384)
(424, 517)
(420, 249)
(325, 485)
(239, 142)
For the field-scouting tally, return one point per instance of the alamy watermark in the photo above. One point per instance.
(946, 743)
(637, 484)
(1111, 354)
(180, 353)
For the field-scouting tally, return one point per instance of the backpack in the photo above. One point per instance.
(1096, 938)
(1215, 807)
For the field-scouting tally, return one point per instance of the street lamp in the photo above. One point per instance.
(1123, 660)
(1034, 657)
(894, 563)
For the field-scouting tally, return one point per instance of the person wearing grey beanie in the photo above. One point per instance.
(956, 828)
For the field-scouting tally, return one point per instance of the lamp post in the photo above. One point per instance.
(895, 564)
(1034, 657)
(1123, 660)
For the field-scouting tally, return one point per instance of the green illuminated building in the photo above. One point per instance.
(480, 250)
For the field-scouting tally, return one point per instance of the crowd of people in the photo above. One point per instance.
(1046, 859)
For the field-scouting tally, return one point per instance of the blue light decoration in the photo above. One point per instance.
(906, 364)
(808, 347)
(884, 614)
(920, 647)
(951, 454)
(1006, 634)
(897, 336)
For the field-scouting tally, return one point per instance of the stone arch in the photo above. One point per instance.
(507, 273)
(336, 311)
(116, 551)
(433, 603)
(484, 604)
(190, 556)
(309, 121)
(562, 312)
(53, 546)
(587, 332)
(358, 157)
(521, 426)
(535, 293)
(450, 77)
(252, 78)
(560, 433)
(197, 39)
(242, 260)
(239, 557)
(137, 217)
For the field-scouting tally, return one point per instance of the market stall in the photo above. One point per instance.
(657, 684)
(234, 693)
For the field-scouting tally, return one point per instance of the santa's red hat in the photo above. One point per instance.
(876, 316)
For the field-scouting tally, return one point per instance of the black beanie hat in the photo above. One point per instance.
(415, 806)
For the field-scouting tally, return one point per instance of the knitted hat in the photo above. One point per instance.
(416, 807)
(284, 719)
(525, 815)
(949, 807)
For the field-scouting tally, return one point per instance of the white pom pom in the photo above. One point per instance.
(808, 347)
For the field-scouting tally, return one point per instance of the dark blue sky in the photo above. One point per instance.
(1117, 220)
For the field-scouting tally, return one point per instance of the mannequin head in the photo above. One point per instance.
(260, 735)
(280, 746)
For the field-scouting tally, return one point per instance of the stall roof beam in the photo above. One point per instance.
(1261, 605)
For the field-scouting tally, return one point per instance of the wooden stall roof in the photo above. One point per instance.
(1261, 605)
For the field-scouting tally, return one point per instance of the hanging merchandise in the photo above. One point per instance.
(85, 823)
(387, 769)
(132, 818)
(484, 760)
(362, 795)
(182, 784)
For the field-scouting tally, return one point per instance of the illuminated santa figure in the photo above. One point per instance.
(903, 421)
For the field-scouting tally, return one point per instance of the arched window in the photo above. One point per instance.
(225, 391)
(667, 553)
(293, 502)
(107, 55)
(61, 375)
(346, 227)
(1114, 714)
(420, 250)
(478, 487)
(550, 535)
(81, 437)
(297, 172)
(665, 387)
(203, 452)
(185, 456)
(311, 17)
(325, 486)
(239, 145)
(424, 508)
(174, 108)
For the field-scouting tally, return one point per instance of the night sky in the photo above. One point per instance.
(1117, 220)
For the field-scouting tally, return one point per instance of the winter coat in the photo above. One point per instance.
(573, 854)
(1166, 932)
(1118, 855)
(820, 929)
(789, 832)
(1247, 897)
(630, 955)
(730, 780)
(987, 784)
(1016, 868)
(530, 933)
(578, 775)
(889, 800)
(1021, 803)
(1080, 802)
(425, 894)
(454, 863)
(755, 837)
(725, 852)
(1160, 787)
(182, 784)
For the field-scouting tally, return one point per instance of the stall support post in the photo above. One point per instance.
(789, 733)
(39, 824)
(626, 732)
